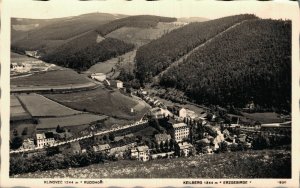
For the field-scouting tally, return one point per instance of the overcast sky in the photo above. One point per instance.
(173, 8)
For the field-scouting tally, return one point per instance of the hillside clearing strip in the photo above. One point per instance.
(181, 60)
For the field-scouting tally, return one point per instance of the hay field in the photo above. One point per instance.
(101, 101)
(50, 78)
(74, 120)
(39, 106)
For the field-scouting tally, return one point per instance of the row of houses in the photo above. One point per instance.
(44, 139)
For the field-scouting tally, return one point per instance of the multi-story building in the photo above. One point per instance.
(180, 131)
(45, 139)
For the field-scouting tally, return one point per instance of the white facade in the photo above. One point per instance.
(43, 141)
(185, 148)
(182, 113)
(180, 131)
(141, 153)
(98, 76)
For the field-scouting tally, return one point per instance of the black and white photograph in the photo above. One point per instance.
(151, 90)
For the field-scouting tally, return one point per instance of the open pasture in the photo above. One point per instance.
(264, 117)
(50, 78)
(40, 106)
(101, 101)
(68, 121)
(141, 36)
(17, 112)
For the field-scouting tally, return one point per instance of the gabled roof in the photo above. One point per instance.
(40, 136)
(142, 148)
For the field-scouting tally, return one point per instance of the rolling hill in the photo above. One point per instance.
(251, 61)
(141, 21)
(67, 44)
(157, 55)
(46, 35)
(81, 57)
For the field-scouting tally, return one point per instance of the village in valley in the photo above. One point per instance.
(172, 131)
(65, 117)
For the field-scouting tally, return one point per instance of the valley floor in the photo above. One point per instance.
(245, 164)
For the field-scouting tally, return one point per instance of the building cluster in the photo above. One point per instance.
(20, 67)
(45, 139)
(101, 77)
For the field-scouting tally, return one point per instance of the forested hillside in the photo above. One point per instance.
(82, 54)
(142, 21)
(159, 54)
(250, 62)
(51, 33)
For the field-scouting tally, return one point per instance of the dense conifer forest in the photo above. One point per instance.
(84, 55)
(159, 54)
(250, 62)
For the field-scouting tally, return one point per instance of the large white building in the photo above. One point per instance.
(45, 139)
(180, 131)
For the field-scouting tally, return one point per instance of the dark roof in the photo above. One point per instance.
(172, 121)
(49, 135)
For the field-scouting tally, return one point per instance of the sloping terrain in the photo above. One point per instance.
(245, 164)
(50, 34)
(251, 61)
(159, 54)
(102, 101)
(82, 55)
(50, 78)
(140, 36)
(67, 44)
(141, 21)
(40, 106)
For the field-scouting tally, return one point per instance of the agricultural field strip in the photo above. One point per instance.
(181, 59)
(67, 121)
(90, 85)
(17, 108)
(40, 106)
(85, 137)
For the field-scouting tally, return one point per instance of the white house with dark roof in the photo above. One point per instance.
(140, 153)
(185, 149)
(44, 139)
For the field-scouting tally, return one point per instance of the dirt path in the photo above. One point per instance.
(180, 60)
